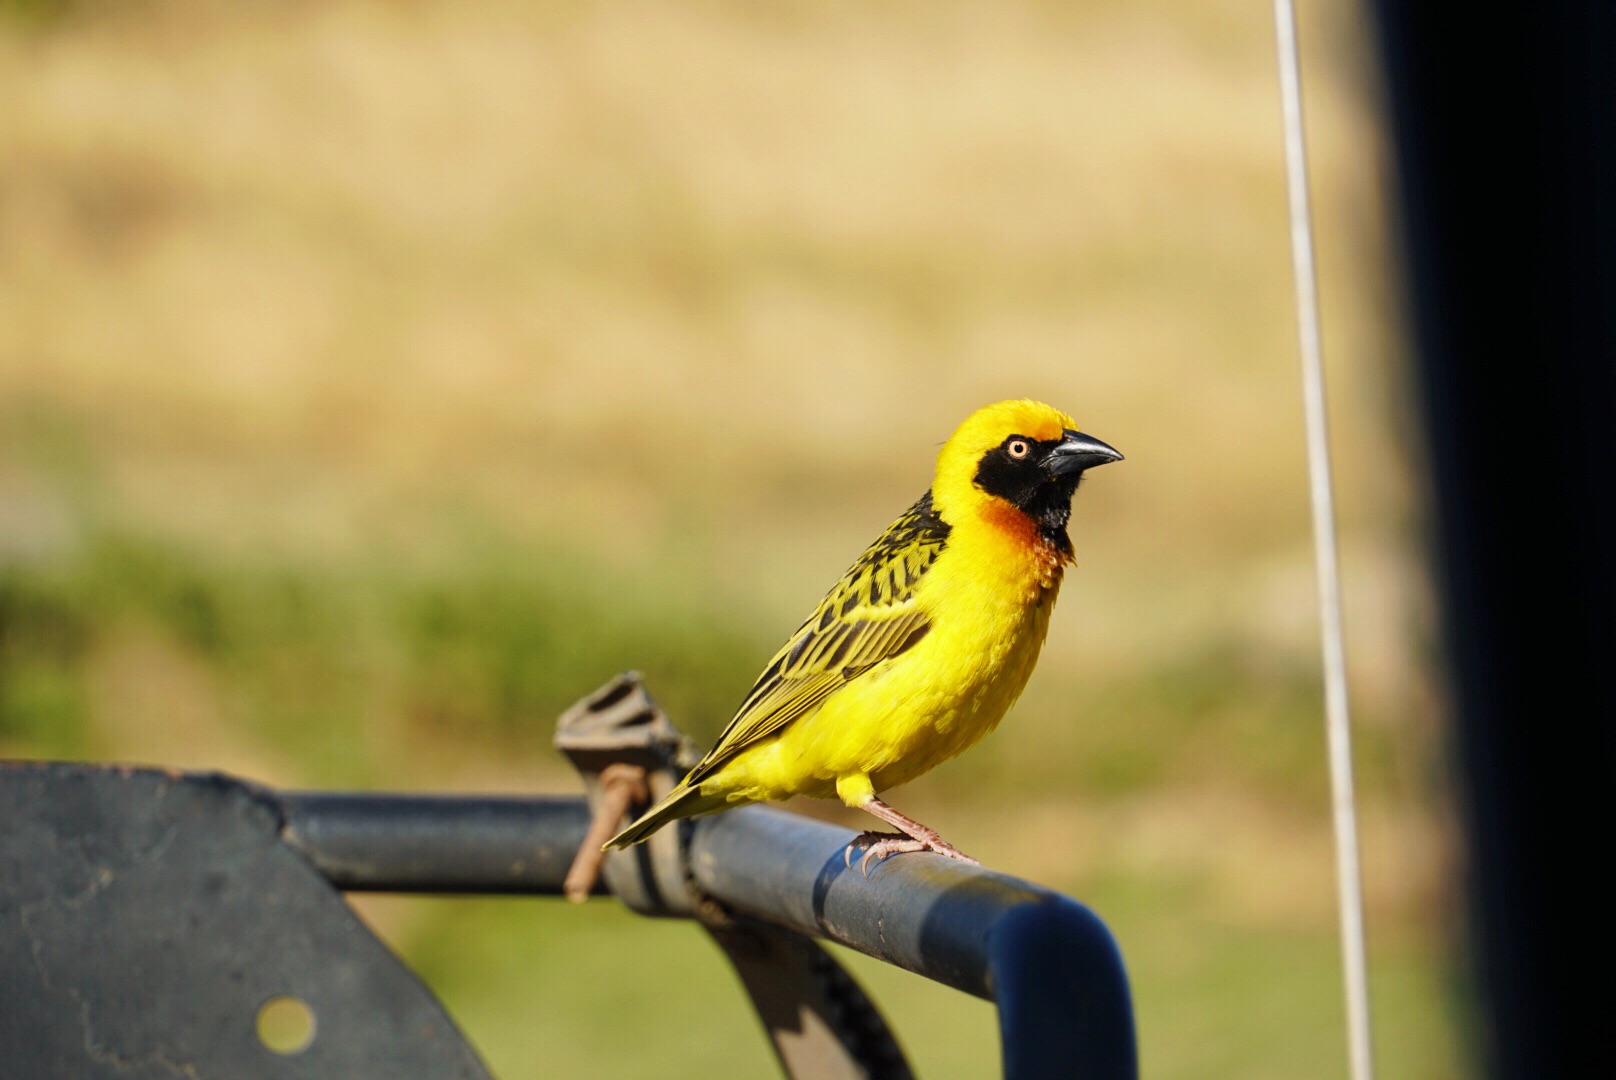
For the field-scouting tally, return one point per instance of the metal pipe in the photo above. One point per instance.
(435, 843)
(1049, 963)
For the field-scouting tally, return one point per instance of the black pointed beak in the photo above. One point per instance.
(1076, 452)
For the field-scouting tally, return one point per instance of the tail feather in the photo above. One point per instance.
(681, 802)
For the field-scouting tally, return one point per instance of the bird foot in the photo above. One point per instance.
(878, 845)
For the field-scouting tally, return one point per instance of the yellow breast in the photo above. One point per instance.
(989, 603)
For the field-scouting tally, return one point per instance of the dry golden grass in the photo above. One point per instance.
(730, 272)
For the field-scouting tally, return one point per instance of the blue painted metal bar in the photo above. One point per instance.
(1048, 962)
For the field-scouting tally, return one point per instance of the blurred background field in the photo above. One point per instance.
(377, 378)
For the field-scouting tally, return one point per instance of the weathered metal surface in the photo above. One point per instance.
(145, 918)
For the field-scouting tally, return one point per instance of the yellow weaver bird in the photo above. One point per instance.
(922, 646)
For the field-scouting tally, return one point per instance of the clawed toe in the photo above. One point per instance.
(883, 844)
(877, 846)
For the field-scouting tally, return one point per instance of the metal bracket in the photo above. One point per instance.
(821, 1023)
(619, 725)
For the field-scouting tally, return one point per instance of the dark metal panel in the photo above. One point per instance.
(1505, 131)
(444, 844)
(145, 917)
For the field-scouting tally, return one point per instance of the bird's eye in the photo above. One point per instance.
(1017, 448)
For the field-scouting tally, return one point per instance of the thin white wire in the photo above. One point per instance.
(1337, 717)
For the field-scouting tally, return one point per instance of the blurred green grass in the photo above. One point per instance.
(476, 654)
(475, 658)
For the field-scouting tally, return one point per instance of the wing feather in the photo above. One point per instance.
(868, 618)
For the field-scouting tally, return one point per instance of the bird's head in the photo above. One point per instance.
(1023, 457)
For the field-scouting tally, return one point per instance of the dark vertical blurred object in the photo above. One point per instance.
(1505, 131)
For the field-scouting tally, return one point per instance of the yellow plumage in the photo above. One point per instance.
(922, 646)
